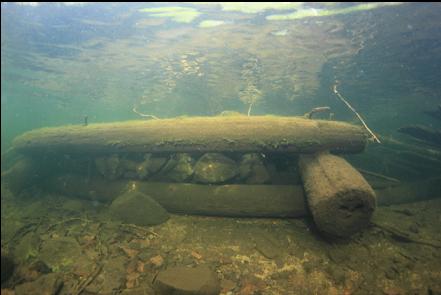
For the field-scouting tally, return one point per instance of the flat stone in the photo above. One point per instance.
(137, 208)
(215, 168)
(200, 280)
(267, 247)
(49, 284)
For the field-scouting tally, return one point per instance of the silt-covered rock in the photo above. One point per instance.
(137, 208)
(200, 280)
(215, 168)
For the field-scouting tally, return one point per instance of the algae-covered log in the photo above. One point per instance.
(339, 198)
(198, 134)
(233, 200)
(228, 200)
(218, 200)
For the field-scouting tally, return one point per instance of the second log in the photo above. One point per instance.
(339, 198)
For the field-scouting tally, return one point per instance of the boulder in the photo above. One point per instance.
(179, 168)
(137, 208)
(252, 170)
(215, 168)
(109, 167)
(200, 280)
(150, 165)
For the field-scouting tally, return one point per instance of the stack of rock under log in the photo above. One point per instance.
(208, 168)
(213, 166)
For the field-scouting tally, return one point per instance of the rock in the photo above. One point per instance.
(252, 169)
(109, 167)
(150, 165)
(32, 272)
(137, 208)
(45, 285)
(7, 267)
(215, 168)
(157, 261)
(110, 279)
(179, 168)
(184, 280)
(267, 247)
(60, 253)
(27, 247)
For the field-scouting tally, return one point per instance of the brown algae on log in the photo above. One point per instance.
(184, 134)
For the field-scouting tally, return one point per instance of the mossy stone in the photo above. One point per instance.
(137, 208)
(215, 168)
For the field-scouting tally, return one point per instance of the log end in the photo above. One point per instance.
(340, 199)
(345, 215)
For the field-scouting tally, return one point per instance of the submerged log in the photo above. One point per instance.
(339, 198)
(416, 191)
(216, 200)
(198, 134)
(225, 200)
(424, 133)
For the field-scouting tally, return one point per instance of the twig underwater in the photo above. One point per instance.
(309, 114)
(373, 136)
(249, 108)
(144, 115)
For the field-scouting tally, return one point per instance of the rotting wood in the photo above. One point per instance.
(198, 134)
(179, 197)
(217, 200)
(340, 199)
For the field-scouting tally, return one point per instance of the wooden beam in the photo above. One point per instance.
(198, 134)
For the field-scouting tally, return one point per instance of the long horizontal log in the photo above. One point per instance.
(226, 200)
(198, 134)
(340, 199)
(218, 200)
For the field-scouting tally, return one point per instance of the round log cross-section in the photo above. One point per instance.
(339, 198)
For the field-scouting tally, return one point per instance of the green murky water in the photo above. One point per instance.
(65, 63)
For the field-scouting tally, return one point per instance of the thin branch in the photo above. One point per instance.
(249, 108)
(374, 137)
(144, 115)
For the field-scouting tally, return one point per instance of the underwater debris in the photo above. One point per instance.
(316, 110)
(427, 134)
(144, 115)
(250, 94)
(373, 136)
(340, 199)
